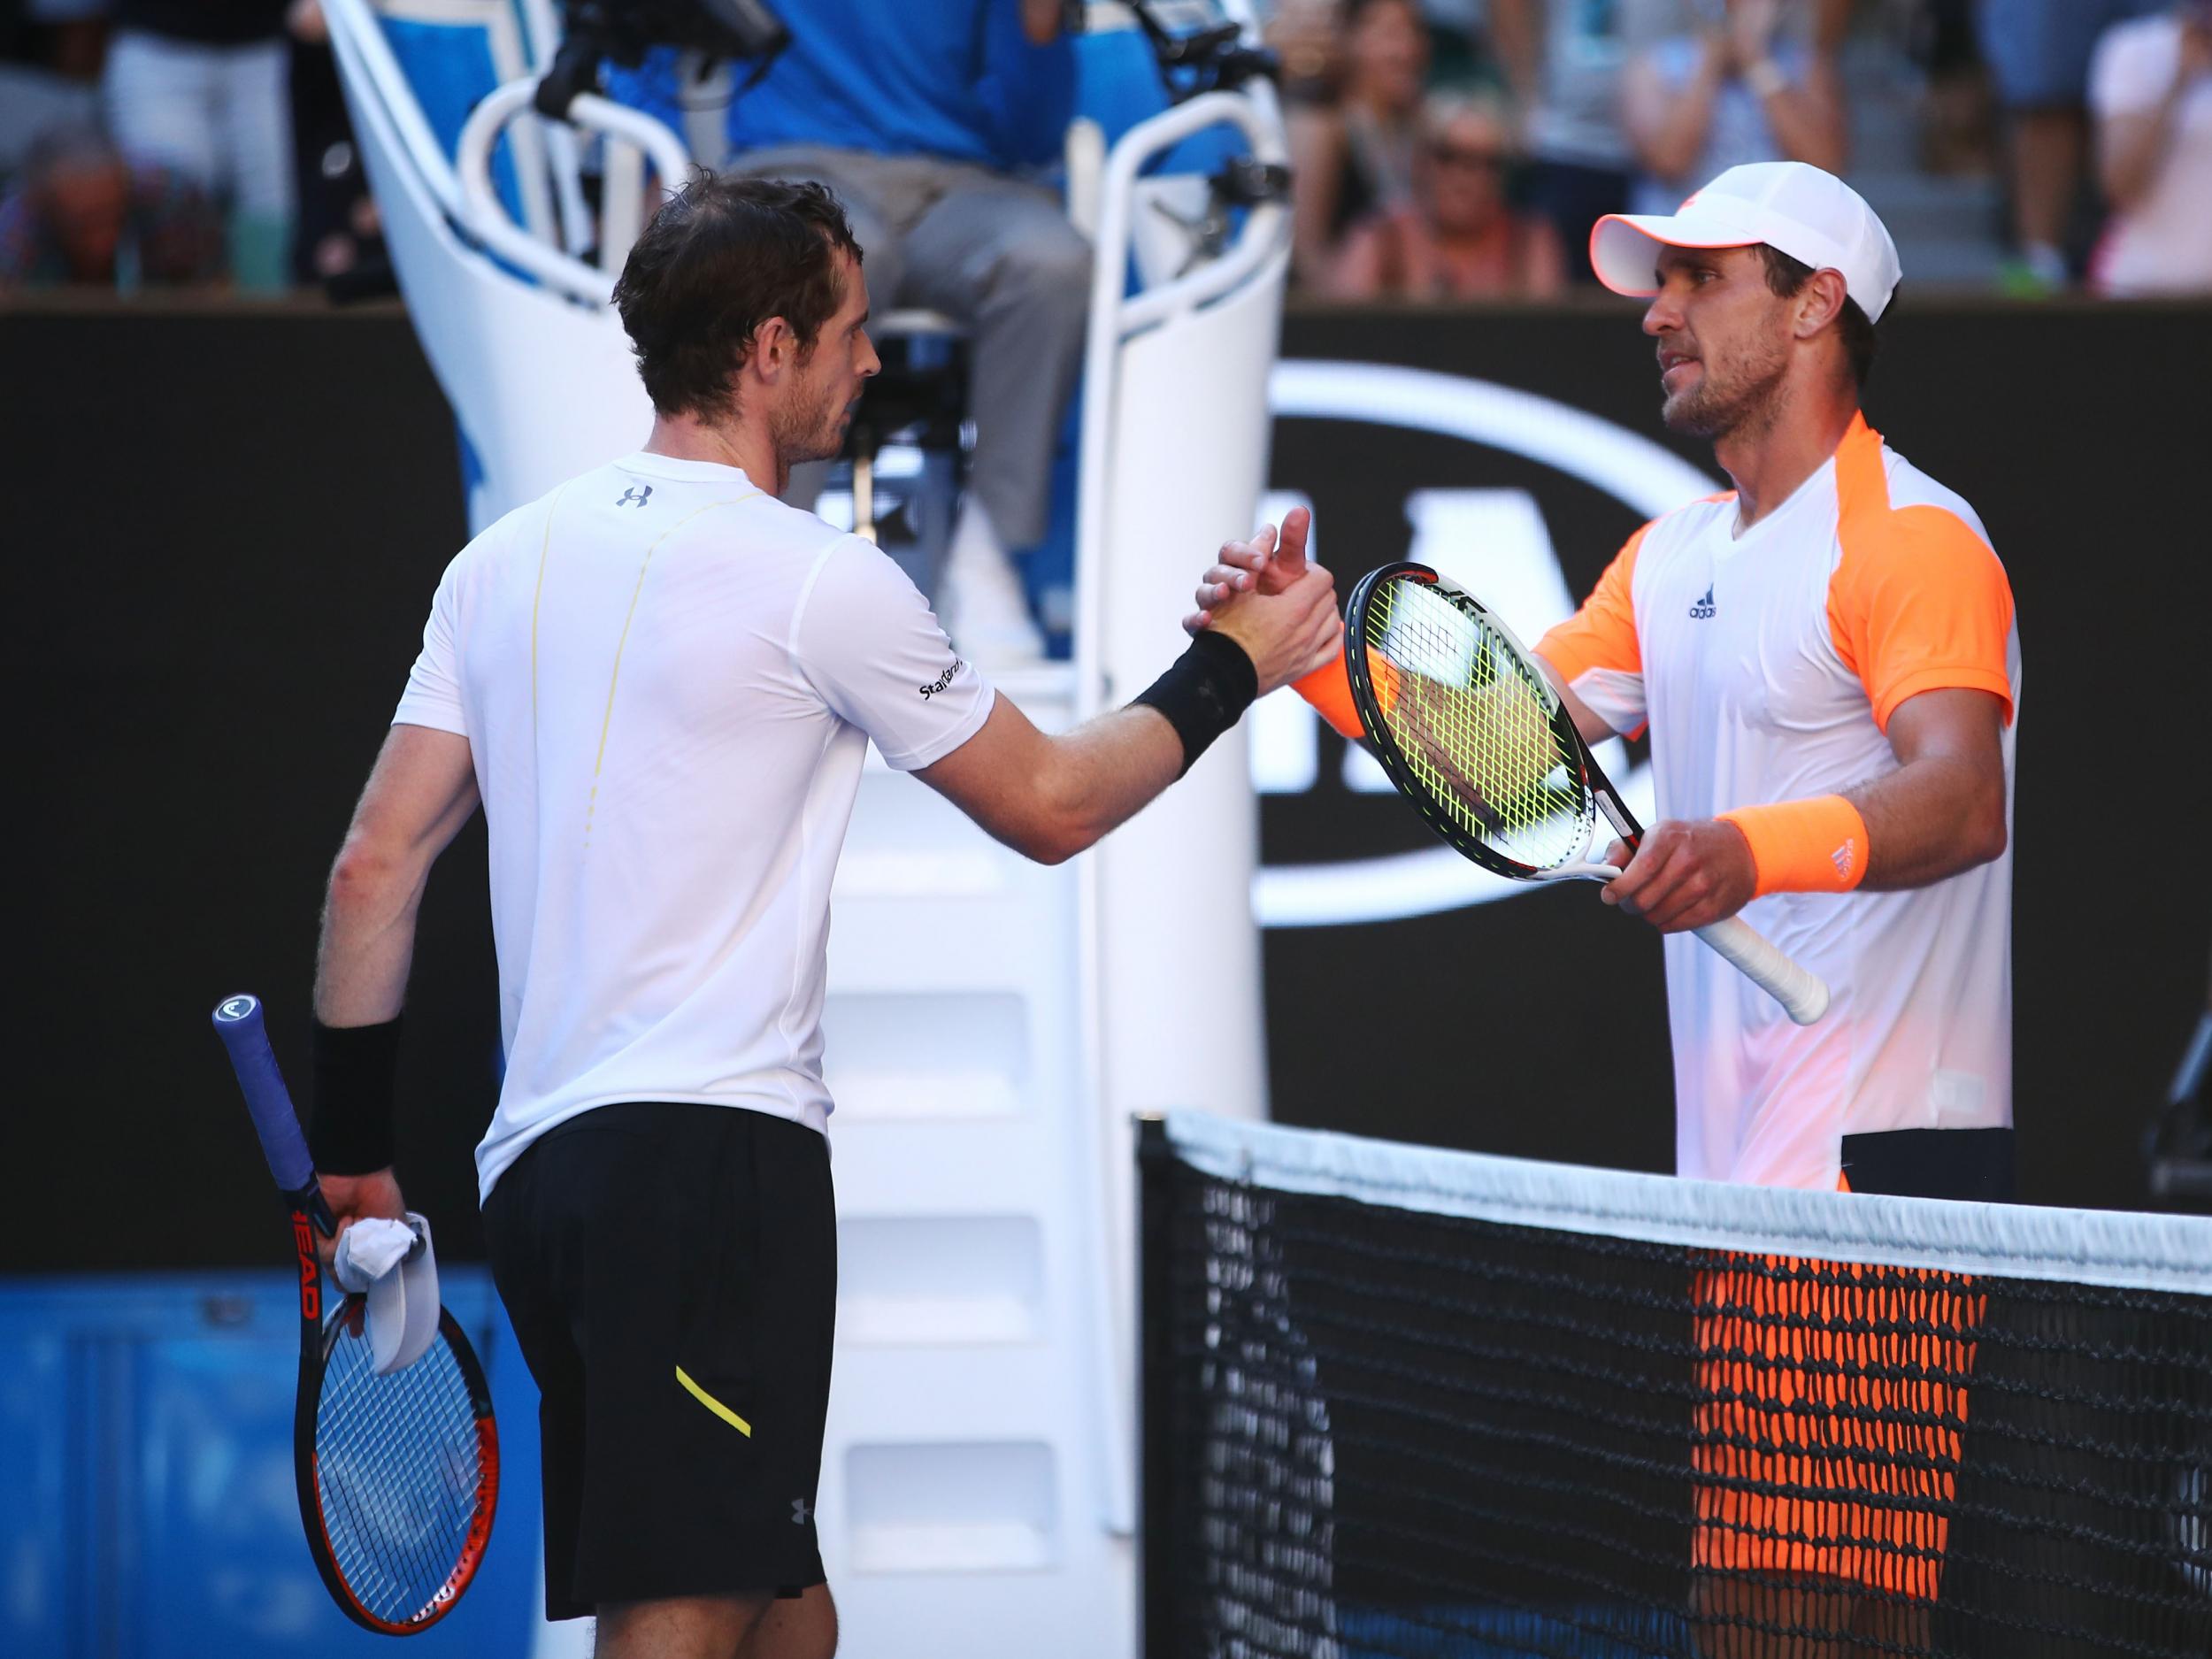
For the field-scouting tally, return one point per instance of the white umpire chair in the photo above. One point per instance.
(992, 1025)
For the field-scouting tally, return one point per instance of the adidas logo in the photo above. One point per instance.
(1845, 856)
(1702, 610)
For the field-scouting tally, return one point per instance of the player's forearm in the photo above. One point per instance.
(1929, 820)
(1594, 727)
(1102, 775)
(368, 937)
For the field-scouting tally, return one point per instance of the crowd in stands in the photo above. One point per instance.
(1444, 150)
(1462, 148)
(152, 143)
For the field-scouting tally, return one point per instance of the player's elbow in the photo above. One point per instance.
(1062, 816)
(1057, 834)
(1993, 838)
(1042, 849)
(366, 875)
(1986, 834)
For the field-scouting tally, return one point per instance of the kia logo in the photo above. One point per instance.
(1495, 542)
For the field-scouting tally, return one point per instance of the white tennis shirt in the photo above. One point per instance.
(668, 680)
(1767, 665)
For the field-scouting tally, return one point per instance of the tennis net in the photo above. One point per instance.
(1409, 1404)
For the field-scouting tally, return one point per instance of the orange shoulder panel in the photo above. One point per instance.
(1917, 603)
(1602, 634)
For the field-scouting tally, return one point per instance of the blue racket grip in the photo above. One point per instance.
(238, 1023)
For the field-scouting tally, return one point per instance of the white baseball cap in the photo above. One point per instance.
(1812, 215)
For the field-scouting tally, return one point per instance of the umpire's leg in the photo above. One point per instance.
(999, 255)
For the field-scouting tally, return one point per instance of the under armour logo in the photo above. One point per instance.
(637, 495)
(1702, 610)
(802, 1511)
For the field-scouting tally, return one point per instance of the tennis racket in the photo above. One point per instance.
(1471, 731)
(398, 1476)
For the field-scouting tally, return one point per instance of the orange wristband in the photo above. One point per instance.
(1330, 691)
(1817, 845)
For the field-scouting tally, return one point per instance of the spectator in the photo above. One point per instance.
(83, 214)
(923, 145)
(202, 88)
(1756, 80)
(2150, 87)
(1467, 243)
(1307, 42)
(1564, 61)
(49, 63)
(2037, 53)
(1957, 136)
(338, 237)
(1359, 158)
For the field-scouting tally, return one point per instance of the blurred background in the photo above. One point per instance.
(238, 446)
(1446, 150)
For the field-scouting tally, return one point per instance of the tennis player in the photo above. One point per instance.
(1826, 660)
(660, 682)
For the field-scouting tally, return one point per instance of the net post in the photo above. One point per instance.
(1155, 1389)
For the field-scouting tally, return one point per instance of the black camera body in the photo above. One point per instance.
(623, 31)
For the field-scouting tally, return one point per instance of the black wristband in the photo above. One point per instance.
(1204, 693)
(357, 1071)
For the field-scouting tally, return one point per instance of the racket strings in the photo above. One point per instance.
(1474, 722)
(398, 1464)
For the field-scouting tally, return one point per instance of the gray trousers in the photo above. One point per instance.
(997, 254)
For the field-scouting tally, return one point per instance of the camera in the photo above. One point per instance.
(623, 31)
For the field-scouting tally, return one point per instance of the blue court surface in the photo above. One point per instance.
(146, 1460)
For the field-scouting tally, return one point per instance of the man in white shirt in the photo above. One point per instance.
(660, 682)
(1826, 659)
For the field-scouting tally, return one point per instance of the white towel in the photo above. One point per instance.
(393, 1260)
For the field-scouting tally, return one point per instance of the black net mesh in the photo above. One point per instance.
(1373, 1432)
(398, 1464)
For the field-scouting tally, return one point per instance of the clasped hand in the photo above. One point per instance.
(1267, 596)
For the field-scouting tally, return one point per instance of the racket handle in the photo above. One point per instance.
(238, 1023)
(1802, 994)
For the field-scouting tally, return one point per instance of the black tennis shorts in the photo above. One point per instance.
(671, 1274)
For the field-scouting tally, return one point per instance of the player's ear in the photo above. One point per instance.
(1819, 303)
(774, 348)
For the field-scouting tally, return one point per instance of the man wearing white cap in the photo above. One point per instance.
(1826, 660)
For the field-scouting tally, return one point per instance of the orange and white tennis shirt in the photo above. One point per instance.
(1767, 665)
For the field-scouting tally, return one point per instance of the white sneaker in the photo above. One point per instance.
(980, 598)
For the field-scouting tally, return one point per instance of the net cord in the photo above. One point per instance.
(2119, 1249)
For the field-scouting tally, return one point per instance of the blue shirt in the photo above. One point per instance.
(953, 79)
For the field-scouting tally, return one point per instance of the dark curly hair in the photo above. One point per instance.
(720, 258)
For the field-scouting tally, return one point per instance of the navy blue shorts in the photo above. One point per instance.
(671, 1274)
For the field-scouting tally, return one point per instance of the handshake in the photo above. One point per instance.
(1265, 594)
